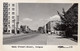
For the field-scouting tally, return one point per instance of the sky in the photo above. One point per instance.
(35, 15)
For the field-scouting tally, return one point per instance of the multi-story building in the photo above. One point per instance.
(13, 17)
(44, 27)
(51, 24)
(48, 27)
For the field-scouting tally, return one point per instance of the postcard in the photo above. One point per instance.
(39, 25)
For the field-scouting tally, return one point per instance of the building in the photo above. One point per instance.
(51, 25)
(44, 28)
(48, 27)
(5, 17)
(25, 29)
(41, 29)
(12, 17)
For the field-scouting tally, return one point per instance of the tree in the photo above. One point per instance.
(59, 27)
(22, 28)
(69, 20)
(41, 29)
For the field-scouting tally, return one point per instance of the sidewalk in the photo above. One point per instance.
(58, 40)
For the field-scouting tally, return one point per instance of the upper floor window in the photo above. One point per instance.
(8, 12)
(9, 26)
(12, 17)
(9, 9)
(9, 22)
(13, 13)
(13, 26)
(9, 4)
(8, 30)
(13, 9)
(13, 21)
(13, 4)
(8, 17)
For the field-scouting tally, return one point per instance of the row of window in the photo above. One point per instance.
(12, 13)
(12, 5)
(13, 26)
(13, 21)
(12, 17)
(12, 30)
(12, 9)
(5, 12)
(5, 8)
(5, 4)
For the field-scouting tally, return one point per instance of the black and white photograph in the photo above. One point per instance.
(40, 23)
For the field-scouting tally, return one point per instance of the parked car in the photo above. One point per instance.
(49, 33)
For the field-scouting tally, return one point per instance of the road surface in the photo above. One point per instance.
(37, 39)
(27, 39)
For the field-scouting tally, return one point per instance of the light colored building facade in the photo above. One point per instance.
(54, 24)
(50, 27)
(44, 27)
(13, 18)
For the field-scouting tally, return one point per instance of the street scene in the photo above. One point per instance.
(40, 23)
(37, 39)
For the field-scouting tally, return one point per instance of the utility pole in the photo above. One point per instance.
(14, 27)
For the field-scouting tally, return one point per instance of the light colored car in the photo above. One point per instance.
(49, 33)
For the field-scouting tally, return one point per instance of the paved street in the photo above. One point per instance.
(27, 39)
(37, 39)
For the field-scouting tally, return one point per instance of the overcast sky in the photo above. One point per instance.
(38, 14)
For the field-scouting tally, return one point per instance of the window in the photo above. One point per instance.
(12, 4)
(12, 17)
(13, 26)
(13, 21)
(8, 12)
(8, 30)
(13, 9)
(5, 25)
(13, 13)
(8, 17)
(9, 9)
(9, 4)
(9, 26)
(8, 21)
(4, 19)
